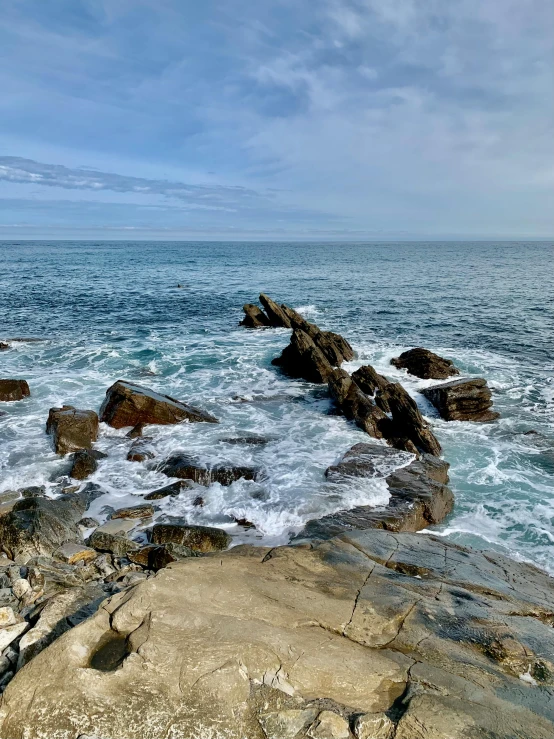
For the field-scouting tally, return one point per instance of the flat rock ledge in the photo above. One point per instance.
(404, 634)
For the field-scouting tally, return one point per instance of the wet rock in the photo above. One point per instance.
(189, 468)
(127, 404)
(355, 405)
(136, 431)
(141, 450)
(277, 317)
(462, 400)
(425, 364)
(37, 526)
(84, 463)
(408, 423)
(302, 358)
(366, 460)
(72, 429)
(173, 490)
(246, 440)
(372, 383)
(145, 510)
(12, 390)
(4, 346)
(88, 522)
(198, 538)
(73, 552)
(33, 491)
(254, 317)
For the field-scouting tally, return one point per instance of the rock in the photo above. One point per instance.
(84, 463)
(73, 552)
(88, 522)
(160, 556)
(127, 404)
(7, 617)
(136, 431)
(21, 589)
(355, 405)
(37, 526)
(408, 423)
(72, 429)
(329, 725)
(302, 358)
(374, 726)
(113, 541)
(334, 346)
(11, 390)
(275, 314)
(198, 538)
(4, 346)
(141, 450)
(254, 317)
(189, 468)
(172, 490)
(33, 491)
(10, 633)
(407, 627)
(425, 364)
(462, 400)
(246, 440)
(372, 383)
(366, 460)
(145, 510)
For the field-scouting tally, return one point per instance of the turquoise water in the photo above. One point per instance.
(105, 311)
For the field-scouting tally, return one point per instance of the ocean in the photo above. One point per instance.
(89, 313)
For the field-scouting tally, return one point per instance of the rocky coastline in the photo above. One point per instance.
(357, 629)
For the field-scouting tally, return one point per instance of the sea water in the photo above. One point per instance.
(86, 314)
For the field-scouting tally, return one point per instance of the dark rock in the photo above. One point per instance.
(160, 556)
(141, 450)
(407, 421)
(127, 404)
(462, 400)
(37, 526)
(254, 317)
(198, 501)
(3, 346)
(142, 556)
(84, 463)
(355, 405)
(371, 382)
(72, 429)
(136, 431)
(302, 358)
(277, 317)
(198, 538)
(245, 523)
(88, 522)
(365, 460)
(33, 491)
(172, 490)
(144, 510)
(11, 390)
(189, 468)
(117, 544)
(425, 364)
(247, 440)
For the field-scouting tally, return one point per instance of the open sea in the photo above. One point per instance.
(89, 313)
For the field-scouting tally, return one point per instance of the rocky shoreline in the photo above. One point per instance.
(60, 566)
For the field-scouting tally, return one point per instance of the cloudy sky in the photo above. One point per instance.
(346, 119)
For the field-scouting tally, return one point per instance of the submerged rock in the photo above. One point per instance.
(425, 364)
(462, 400)
(254, 317)
(187, 467)
(4, 346)
(391, 634)
(12, 390)
(169, 490)
(127, 404)
(84, 463)
(198, 538)
(141, 450)
(72, 429)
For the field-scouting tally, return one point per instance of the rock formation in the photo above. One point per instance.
(85, 463)
(71, 429)
(127, 404)
(372, 383)
(254, 317)
(462, 400)
(187, 467)
(11, 390)
(425, 364)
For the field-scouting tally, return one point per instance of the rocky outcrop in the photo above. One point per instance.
(276, 315)
(425, 364)
(197, 538)
(127, 404)
(419, 495)
(462, 400)
(85, 463)
(401, 633)
(71, 429)
(254, 317)
(355, 405)
(187, 467)
(11, 390)
(302, 358)
(372, 383)
(3, 346)
(408, 423)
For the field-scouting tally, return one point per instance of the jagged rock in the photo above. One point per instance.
(425, 364)
(10, 633)
(114, 543)
(11, 390)
(136, 431)
(407, 422)
(277, 317)
(198, 538)
(172, 490)
(37, 526)
(371, 382)
(419, 496)
(88, 523)
(4, 346)
(189, 468)
(254, 317)
(329, 725)
(334, 346)
(72, 429)
(144, 510)
(84, 463)
(462, 400)
(7, 617)
(127, 404)
(251, 643)
(160, 556)
(302, 358)
(141, 450)
(355, 405)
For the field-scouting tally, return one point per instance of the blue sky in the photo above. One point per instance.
(343, 119)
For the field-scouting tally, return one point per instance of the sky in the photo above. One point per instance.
(281, 119)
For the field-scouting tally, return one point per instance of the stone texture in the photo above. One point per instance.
(84, 463)
(74, 552)
(11, 390)
(127, 404)
(276, 315)
(198, 538)
(329, 725)
(115, 543)
(355, 405)
(254, 317)
(72, 429)
(372, 383)
(187, 467)
(10, 633)
(425, 364)
(141, 450)
(462, 400)
(174, 489)
(374, 726)
(408, 423)
(302, 358)
(144, 510)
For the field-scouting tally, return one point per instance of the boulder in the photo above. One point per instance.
(334, 346)
(425, 364)
(172, 490)
(367, 460)
(144, 510)
(141, 450)
(355, 405)
(161, 556)
(254, 317)
(84, 463)
(72, 429)
(73, 552)
(372, 627)
(198, 538)
(4, 346)
(187, 467)
(462, 400)
(11, 390)
(136, 431)
(38, 526)
(127, 404)
(372, 383)
(277, 317)
(302, 358)
(114, 543)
